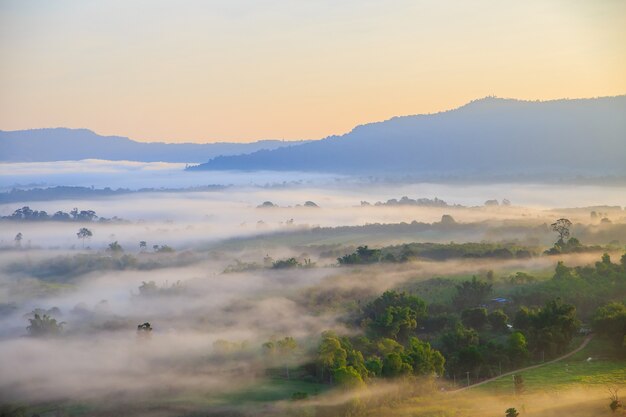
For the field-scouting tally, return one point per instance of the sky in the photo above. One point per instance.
(236, 70)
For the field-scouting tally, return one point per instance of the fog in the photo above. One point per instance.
(216, 298)
(335, 188)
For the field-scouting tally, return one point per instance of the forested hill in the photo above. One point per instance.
(490, 136)
(61, 144)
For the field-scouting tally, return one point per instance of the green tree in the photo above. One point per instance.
(394, 315)
(470, 359)
(511, 412)
(475, 318)
(471, 293)
(374, 366)
(348, 377)
(498, 321)
(610, 321)
(331, 355)
(394, 366)
(423, 358)
(517, 348)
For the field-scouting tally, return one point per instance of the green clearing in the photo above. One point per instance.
(272, 390)
(604, 369)
(264, 391)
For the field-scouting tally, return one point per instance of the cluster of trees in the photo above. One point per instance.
(549, 329)
(610, 321)
(27, 214)
(64, 268)
(352, 362)
(406, 201)
(470, 337)
(435, 251)
(586, 287)
(292, 263)
(43, 325)
(362, 255)
(151, 289)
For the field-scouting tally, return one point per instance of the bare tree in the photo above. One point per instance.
(615, 402)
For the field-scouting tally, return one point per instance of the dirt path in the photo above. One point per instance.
(517, 371)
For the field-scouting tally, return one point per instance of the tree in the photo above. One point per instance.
(562, 226)
(610, 321)
(615, 401)
(549, 329)
(18, 239)
(394, 366)
(115, 248)
(331, 355)
(423, 358)
(498, 320)
(471, 293)
(286, 348)
(517, 348)
(348, 377)
(394, 315)
(362, 255)
(143, 245)
(285, 264)
(511, 412)
(44, 325)
(84, 233)
(144, 330)
(475, 318)
(471, 359)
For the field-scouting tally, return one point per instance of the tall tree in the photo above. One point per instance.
(562, 226)
(84, 233)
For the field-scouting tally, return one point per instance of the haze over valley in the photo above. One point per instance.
(312, 209)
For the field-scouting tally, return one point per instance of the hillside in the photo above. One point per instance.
(61, 144)
(490, 136)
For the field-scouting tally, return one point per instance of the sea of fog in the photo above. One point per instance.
(333, 189)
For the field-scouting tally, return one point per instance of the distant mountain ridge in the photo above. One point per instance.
(490, 136)
(62, 144)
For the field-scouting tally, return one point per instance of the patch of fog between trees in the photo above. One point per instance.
(101, 353)
(187, 219)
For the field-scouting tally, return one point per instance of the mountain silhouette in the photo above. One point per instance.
(61, 144)
(490, 136)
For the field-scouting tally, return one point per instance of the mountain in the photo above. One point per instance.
(61, 144)
(490, 136)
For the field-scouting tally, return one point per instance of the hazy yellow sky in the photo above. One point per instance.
(201, 71)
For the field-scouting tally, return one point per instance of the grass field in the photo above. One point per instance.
(603, 369)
